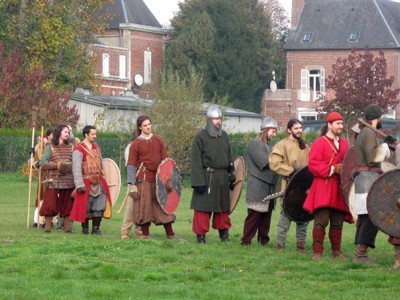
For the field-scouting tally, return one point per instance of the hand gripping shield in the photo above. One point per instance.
(349, 171)
(296, 194)
(383, 203)
(240, 174)
(168, 185)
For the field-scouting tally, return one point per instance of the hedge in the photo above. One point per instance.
(15, 146)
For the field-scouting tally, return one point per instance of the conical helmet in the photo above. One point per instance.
(269, 122)
(214, 113)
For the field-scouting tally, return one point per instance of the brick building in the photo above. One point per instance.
(321, 31)
(132, 45)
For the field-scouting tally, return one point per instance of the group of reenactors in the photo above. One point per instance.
(75, 172)
(72, 180)
(324, 198)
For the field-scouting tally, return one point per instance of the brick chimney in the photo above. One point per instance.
(297, 8)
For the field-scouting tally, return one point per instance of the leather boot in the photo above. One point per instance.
(396, 257)
(301, 247)
(361, 254)
(335, 236)
(67, 225)
(201, 238)
(318, 242)
(85, 227)
(48, 223)
(224, 235)
(96, 225)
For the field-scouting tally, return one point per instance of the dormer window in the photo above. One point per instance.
(307, 37)
(353, 37)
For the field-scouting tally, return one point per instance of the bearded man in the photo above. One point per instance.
(325, 199)
(369, 154)
(59, 182)
(212, 175)
(261, 183)
(286, 158)
(92, 200)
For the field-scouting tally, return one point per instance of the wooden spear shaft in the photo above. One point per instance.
(374, 129)
(34, 117)
(43, 114)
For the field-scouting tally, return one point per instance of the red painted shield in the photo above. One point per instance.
(168, 186)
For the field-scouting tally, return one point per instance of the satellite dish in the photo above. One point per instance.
(273, 86)
(138, 80)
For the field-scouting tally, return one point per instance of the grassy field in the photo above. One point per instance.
(60, 266)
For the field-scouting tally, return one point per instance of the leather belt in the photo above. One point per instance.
(367, 168)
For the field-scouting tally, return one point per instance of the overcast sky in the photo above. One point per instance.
(164, 10)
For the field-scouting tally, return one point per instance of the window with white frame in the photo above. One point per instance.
(307, 117)
(147, 67)
(122, 66)
(312, 84)
(106, 64)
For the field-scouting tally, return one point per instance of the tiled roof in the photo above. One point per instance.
(372, 23)
(131, 12)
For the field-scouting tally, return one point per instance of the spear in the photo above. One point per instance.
(32, 151)
(42, 114)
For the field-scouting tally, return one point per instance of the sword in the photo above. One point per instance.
(274, 196)
(123, 202)
(211, 171)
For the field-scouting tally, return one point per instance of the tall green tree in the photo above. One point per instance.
(279, 26)
(176, 113)
(230, 42)
(54, 35)
(359, 80)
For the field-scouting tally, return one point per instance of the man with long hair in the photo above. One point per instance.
(146, 152)
(56, 162)
(260, 184)
(286, 158)
(325, 199)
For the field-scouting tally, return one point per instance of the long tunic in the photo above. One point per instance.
(367, 151)
(261, 180)
(286, 156)
(146, 155)
(325, 190)
(213, 153)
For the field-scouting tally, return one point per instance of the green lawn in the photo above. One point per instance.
(60, 266)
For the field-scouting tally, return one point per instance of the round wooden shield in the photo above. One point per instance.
(168, 185)
(240, 174)
(296, 194)
(383, 202)
(113, 178)
(349, 166)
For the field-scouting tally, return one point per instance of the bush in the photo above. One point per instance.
(15, 145)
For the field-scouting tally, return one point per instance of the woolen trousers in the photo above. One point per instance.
(284, 226)
(201, 221)
(366, 231)
(257, 221)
